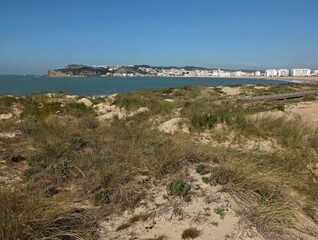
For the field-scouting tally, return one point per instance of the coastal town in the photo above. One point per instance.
(149, 71)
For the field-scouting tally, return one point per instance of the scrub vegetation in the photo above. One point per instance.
(66, 154)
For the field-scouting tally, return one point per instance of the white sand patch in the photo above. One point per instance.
(170, 126)
(111, 98)
(107, 111)
(140, 110)
(231, 90)
(8, 135)
(243, 144)
(6, 116)
(306, 111)
(170, 216)
(86, 101)
(71, 97)
(168, 100)
(261, 87)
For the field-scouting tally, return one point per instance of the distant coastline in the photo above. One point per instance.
(76, 70)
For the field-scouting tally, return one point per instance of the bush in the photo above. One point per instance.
(201, 169)
(221, 211)
(178, 188)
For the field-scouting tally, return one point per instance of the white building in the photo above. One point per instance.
(271, 73)
(315, 73)
(300, 72)
(283, 72)
(257, 74)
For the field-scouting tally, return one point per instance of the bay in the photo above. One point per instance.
(92, 86)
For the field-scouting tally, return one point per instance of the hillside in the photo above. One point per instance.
(177, 163)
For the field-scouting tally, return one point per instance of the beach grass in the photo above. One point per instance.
(65, 144)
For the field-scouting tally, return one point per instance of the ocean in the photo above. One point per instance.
(100, 86)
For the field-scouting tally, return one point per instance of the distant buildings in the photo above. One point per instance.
(283, 72)
(300, 72)
(315, 73)
(258, 74)
(271, 73)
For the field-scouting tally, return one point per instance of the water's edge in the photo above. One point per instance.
(99, 86)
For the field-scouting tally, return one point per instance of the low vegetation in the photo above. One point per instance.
(65, 155)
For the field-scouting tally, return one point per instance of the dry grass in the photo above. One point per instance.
(64, 144)
(26, 217)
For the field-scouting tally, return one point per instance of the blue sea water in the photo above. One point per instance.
(26, 85)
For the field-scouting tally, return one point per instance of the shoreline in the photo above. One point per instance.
(289, 79)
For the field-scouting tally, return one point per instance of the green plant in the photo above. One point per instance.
(221, 211)
(201, 169)
(178, 188)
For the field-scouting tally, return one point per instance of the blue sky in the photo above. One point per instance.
(37, 35)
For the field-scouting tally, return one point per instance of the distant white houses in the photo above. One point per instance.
(271, 73)
(300, 72)
(283, 72)
(257, 73)
(315, 73)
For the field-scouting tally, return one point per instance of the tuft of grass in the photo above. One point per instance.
(310, 212)
(27, 217)
(178, 188)
(49, 191)
(14, 158)
(201, 169)
(102, 197)
(190, 233)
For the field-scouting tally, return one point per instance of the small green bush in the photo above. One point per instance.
(178, 188)
(201, 169)
(221, 211)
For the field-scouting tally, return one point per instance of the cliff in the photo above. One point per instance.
(78, 70)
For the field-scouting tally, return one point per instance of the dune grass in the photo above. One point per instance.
(64, 144)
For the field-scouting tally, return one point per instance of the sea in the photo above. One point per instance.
(103, 86)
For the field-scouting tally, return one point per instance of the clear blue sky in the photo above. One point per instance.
(37, 35)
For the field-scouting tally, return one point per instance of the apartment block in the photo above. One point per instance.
(271, 73)
(283, 72)
(300, 72)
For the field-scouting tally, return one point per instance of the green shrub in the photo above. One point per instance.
(221, 211)
(178, 188)
(201, 169)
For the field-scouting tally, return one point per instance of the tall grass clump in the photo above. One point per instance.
(25, 217)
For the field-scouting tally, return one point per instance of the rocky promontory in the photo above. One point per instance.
(78, 70)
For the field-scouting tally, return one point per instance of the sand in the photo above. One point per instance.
(169, 217)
